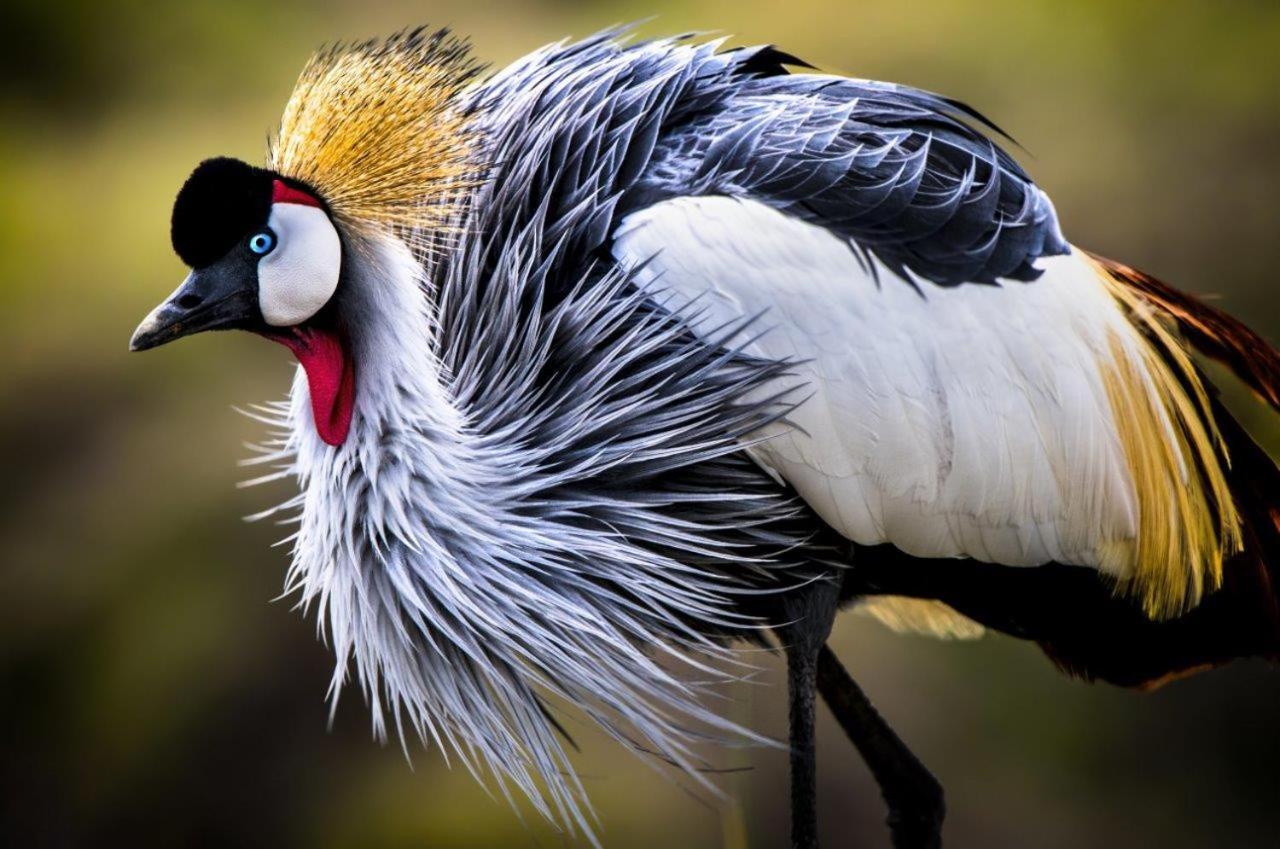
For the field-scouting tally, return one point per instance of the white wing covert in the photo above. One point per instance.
(996, 422)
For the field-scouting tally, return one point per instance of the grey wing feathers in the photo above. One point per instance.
(586, 133)
(891, 167)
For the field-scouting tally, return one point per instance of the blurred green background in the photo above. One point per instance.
(150, 693)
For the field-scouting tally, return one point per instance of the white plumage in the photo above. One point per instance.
(948, 421)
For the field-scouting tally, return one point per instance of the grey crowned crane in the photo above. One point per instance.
(629, 353)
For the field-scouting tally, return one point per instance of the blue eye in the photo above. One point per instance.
(262, 242)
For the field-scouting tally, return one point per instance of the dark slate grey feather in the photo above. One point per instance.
(613, 128)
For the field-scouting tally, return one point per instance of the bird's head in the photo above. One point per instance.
(374, 146)
(265, 256)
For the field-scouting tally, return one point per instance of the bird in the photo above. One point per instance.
(635, 354)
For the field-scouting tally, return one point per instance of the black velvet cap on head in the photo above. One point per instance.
(221, 202)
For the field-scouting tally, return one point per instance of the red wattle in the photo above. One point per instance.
(330, 377)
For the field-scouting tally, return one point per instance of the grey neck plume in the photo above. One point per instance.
(543, 498)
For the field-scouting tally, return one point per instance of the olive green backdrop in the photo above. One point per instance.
(152, 694)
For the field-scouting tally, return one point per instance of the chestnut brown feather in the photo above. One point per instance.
(1209, 330)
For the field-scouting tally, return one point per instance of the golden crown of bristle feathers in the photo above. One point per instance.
(374, 128)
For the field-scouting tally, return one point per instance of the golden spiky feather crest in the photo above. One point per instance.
(375, 128)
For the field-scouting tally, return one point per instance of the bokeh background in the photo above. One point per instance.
(151, 694)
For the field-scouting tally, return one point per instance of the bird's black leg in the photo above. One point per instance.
(810, 612)
(913, 795)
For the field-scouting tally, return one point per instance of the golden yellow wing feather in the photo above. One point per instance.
(1188, 523)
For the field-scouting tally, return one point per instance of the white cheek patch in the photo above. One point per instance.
(300, 276)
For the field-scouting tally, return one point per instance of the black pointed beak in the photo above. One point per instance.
(221, 296)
